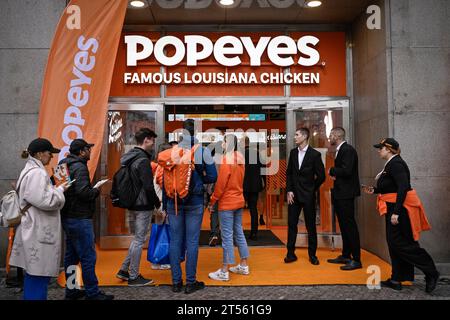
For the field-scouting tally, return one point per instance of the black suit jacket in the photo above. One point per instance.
(345, 170)
(305, 181)
(253, 180)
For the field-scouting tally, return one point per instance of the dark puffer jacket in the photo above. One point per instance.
(140, 164)
(80, 197)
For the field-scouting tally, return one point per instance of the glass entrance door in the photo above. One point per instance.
(319, 117)
(123, 121)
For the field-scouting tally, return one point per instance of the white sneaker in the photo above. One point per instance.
(160, 266)
(240, 269)
(220, 275)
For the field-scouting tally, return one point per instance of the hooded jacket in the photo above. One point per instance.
(139, 159)
(80, 197)
(37, 244)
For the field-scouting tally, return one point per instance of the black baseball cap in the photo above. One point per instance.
(78, 145)
(387, 142)
(41, 145)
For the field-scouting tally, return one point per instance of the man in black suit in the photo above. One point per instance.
(305, 173)
(346, 188)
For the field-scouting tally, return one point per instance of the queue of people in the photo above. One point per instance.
(71, 206)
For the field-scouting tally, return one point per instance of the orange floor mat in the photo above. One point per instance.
(266, 268)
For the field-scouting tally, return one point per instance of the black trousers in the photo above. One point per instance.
(405, 252)
(252, 202)
(309, 210)
(345, 212)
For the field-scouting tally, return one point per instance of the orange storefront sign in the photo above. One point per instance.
(78, 76)
(331, 69)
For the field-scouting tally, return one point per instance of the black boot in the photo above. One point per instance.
(261, 220)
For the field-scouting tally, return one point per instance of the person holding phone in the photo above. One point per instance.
(405, 219)
(77, 223)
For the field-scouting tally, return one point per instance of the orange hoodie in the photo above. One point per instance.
(413, 205)
(229, 189)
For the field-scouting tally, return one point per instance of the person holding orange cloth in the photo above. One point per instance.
(405, 219)
(229, 193)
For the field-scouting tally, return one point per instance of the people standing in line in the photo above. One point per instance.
(186, 215)
(405, 219)
(229, 194)
(305, 174)
(139, 161)
(253, 184)
(346, 188)
(37, 244)
(77, 223)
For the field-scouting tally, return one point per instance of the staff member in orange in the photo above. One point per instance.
(405, 219)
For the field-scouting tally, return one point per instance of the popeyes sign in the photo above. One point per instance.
(227, 50)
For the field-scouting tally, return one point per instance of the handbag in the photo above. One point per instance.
(158, 244)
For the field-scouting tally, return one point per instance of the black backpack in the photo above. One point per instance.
(125, 187)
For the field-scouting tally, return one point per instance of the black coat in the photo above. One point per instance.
(253, 180)
(304, 182)
(395, 179)
(345, 170)
(139, 160)
(80, 197)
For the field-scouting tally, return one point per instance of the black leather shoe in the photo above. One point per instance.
(314, 260)
(393, 285)
(101, 296)
(339, 260)
(431, 283)
(261, 220)
(289, 259)
(177, 287)
(192, 287)
(75, 295)
(352, 265)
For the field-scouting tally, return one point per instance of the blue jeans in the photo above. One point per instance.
(185, 225)
(35, 287)
(140, 222)
(231, 227)
(80, 247)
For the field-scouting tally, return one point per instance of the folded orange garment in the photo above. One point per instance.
(413, 205)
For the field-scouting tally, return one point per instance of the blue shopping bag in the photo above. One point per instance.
(158, 245)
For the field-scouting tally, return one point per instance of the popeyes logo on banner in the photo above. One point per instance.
(78, 75)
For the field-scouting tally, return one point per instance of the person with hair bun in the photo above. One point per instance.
(405, 219)
(37, 244)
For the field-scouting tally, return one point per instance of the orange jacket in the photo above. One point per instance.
(229, 190)
(413, 205)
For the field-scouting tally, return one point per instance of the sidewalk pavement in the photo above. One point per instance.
(323, 292)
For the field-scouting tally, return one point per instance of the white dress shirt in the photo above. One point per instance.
(338, 147)
(301, 155)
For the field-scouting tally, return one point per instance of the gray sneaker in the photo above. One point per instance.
(140, 281)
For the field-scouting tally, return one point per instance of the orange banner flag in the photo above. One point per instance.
(78, 77)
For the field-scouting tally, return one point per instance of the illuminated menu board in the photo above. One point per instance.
(219, 117)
